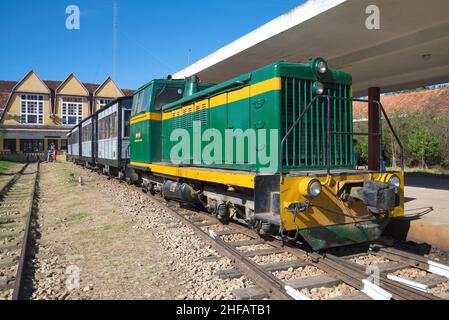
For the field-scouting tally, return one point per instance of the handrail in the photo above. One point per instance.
(329, 132)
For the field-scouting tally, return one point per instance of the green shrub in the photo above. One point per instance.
(424, 147)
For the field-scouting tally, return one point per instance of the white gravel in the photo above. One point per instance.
(369, 259)
(299, 273)
(324, 293)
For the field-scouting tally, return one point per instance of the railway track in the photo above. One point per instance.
(17, 199)
(366, 282)
(279, 279)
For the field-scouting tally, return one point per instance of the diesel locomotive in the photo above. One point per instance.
(272, 148)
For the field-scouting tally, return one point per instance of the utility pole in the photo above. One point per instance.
(114, 39)
(188, 57)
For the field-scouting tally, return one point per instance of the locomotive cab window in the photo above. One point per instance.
(138, 101)
(165, 95)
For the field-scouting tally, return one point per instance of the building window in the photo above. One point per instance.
(104, 102)
(72, 111)
(32, 109)
(9, 144)
(32, 146)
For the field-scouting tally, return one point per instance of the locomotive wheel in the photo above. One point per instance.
(268, 229)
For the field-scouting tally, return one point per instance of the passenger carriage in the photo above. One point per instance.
(73, 141)
(112, 137)
(87, 128)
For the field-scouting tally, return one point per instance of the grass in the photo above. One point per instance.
(5, 165)
(77, 217)
(105, 234)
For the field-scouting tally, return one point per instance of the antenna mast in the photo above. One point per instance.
(114, 39)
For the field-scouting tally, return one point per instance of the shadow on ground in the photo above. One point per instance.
(427, 180)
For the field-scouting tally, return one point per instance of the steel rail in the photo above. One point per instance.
(12, 181)
(414, 260)
(18, 283)
(398, 290)
(334, 266)
(267, 281)
(339, 267)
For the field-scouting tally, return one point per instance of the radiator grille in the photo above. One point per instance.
(307, 145)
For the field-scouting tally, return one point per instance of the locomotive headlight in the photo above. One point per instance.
(318, 88)
(314, 189)
(310, 188)
(394, 181)
(321, 66)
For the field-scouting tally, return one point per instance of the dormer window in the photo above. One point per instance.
(72, 110)
(31, 109)
(104, 102)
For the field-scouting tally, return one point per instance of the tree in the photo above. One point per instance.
(424, 146)
(362, 150)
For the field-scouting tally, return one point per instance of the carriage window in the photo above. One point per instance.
(107, 127)
(166, 95)
(126, 122)
(87, 133)
(75, 137)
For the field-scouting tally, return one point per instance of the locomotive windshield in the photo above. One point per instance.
(167, 94)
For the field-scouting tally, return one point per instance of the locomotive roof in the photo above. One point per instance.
(278, 69)
(166, 81)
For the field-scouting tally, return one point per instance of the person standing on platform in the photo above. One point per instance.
(50, 156)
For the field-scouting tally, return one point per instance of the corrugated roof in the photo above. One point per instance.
(414, 101)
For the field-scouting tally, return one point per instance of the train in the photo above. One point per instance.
(102, 140)
(272, 149)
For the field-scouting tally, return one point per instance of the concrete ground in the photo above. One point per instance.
(427, 210)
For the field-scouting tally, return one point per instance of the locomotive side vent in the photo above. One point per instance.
(306, 148)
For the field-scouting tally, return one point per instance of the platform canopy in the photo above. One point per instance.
(410, 49)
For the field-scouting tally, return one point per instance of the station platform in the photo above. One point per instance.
(426, 209)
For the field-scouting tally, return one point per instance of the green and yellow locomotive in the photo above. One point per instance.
(272, 148)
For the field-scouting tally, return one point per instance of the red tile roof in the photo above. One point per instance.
(413, 101)
(7, 86)
(4, 97)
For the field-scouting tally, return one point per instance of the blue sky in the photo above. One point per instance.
(154, 37)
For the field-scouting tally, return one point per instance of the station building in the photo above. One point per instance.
(36, 113)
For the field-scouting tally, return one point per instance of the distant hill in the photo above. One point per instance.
(412, 101)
